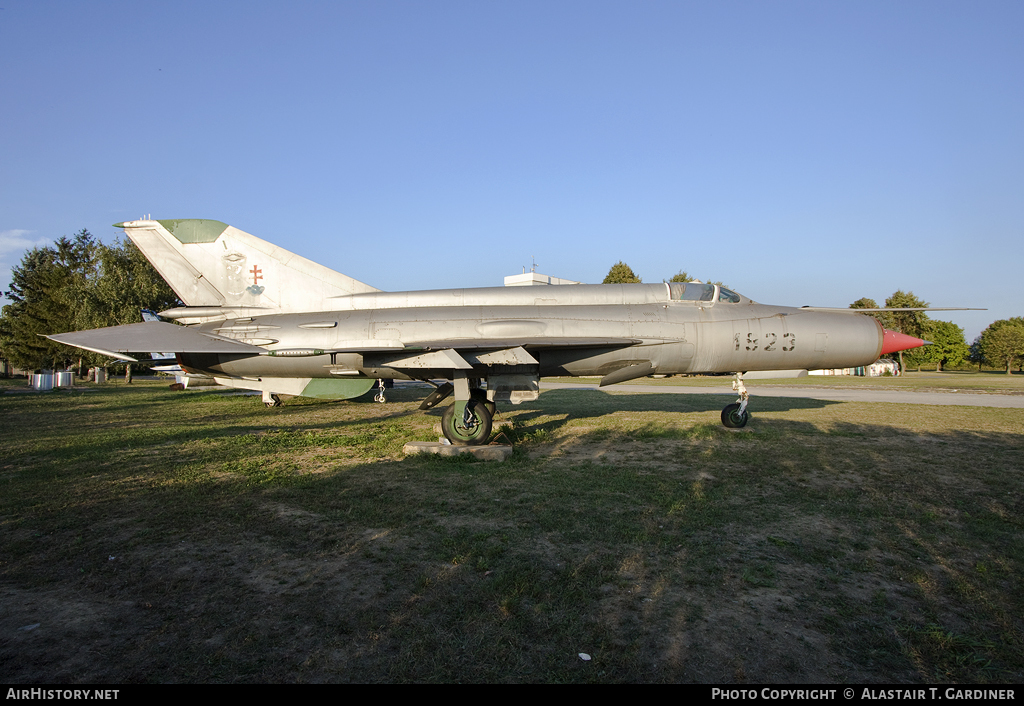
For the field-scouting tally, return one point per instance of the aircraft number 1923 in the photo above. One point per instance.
(771, 341)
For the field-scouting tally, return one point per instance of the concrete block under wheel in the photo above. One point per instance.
(491, 452)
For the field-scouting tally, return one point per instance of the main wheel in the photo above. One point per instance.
(733, 418)
(274, 401)
(469, 429)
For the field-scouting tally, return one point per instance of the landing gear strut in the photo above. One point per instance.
(481, 397)
(271, 400)
(735, 415)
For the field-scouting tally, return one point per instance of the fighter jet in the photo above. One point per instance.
(261, 318)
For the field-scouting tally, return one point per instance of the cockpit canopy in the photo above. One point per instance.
(698, 292)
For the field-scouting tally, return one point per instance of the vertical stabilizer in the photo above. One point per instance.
(209, 263)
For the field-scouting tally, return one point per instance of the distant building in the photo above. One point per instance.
(531, 278)
(875, 370)
(881, 367)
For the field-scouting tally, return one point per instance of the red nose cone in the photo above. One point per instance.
(893, 341)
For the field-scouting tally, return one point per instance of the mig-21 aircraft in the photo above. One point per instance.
(261, 318)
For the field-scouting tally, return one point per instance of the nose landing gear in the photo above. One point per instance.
(735, 415)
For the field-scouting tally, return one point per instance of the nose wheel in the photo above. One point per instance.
(735, 415)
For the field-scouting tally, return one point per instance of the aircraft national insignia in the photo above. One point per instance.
(255, 289)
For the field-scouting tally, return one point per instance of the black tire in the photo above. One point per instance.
(457, 432)
(733, 418)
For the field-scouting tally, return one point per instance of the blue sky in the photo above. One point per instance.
(802, 152)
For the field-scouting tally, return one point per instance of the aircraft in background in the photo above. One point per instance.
(261, 318)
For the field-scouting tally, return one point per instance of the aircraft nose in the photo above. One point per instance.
(893, 341)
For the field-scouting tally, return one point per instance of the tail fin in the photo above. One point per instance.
(209, 263)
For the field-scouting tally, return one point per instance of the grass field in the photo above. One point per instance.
(155, 536)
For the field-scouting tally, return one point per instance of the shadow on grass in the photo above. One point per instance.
(556, 408)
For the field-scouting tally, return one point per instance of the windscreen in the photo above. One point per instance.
(726, 295)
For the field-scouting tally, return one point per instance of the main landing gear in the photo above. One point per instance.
(735, 415)
(468, 421)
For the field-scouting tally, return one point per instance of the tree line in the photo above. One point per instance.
(1001, 345)
(621, 273)
(77, 283)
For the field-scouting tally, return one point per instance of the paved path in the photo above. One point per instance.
(966, 399)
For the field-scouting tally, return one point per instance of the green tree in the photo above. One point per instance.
(78, 283)
(621, 273)
(47, 292)
(18, 328)
(948, 344)
(912, 323)
(126, 285)
(866, 303)
(1003, 343)
(977, 354)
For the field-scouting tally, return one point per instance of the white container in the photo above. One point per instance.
(42, 381)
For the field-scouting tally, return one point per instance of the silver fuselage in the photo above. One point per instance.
(674, 336)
